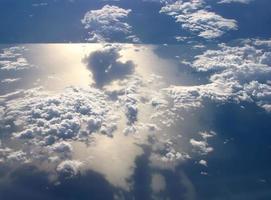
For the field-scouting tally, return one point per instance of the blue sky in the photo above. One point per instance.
(60, 21)
(135, 99)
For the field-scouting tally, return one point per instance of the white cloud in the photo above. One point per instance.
(259, 42)
(106, 23)
(201, 146)
(10, 80)
(62, 147)
(17, 156)
(40, 4)
(166, 155)
(235, 1)
(12, 59)
(158, 183)
(203, 162)
(237, 73)
(69, 168)
(12, 52)
(195, 17)
(129, 97)
(18, 64)
(205, 135)
(47, 121)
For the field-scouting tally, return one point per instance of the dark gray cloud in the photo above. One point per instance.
(106, 66)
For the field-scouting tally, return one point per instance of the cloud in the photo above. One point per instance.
(62, 147)
(131, 98)
(195, 17)
(203, 162)
(106, 66)
(106, 23)
(235, 1)
(11, 59)
(201, 146)
(158, 183)
(12, 52)
(237, 73)
(39, 4)
(69, 168)
(260, 42)
(10, 80)
(47, 122)
(17, 156)
(167, 153)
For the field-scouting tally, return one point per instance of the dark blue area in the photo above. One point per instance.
(59, 21)
(30, 183)
(239, 169)
(253, 19)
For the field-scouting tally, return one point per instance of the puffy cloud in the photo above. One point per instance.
(62, 147)
(69, 168)
(158, 183)
(39, 4)
(130, 130)
(47, 121)
(237, 73)
(12, 52)
(201, 146)
(106, 66)
(106, 23)
(128, 96)
(12, 59)
(17, 156)
(166, 155)
(235, 1)
(131, 98)
(260, 42)
(203, 162)
(205, 135)
(195, 17)
(18, 64)
(10, 80)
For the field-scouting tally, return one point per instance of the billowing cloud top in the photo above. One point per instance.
(237, 73)
(106, 67)
(196, 17)
(107, 23)
(235, 1)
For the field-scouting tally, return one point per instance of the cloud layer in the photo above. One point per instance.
(235, 1)
(106, 67)
(196, 17)
(237, 73)
(106, 23)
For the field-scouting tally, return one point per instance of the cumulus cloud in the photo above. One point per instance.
(12, 59)
(40, 4)
(195, 17)
(47, 122)
(69, 168)
(203, 162)
(106, 66)
(62, 147)
(167, 154)
(235, 1)
(12, 52)
(201, 146)
(106, 23)
(237, 73)
(10, 80)
(16, 156)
